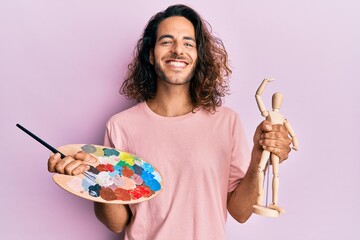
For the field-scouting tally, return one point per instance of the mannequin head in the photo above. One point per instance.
(277, 100)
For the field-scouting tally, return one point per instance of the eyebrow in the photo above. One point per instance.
(172, 37)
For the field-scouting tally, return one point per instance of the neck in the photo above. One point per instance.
(171, 100)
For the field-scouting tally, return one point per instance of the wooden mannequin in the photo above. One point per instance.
(275, 117)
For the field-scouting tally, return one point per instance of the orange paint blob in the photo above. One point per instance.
(127, 172)
(107, 194)
(122, 194)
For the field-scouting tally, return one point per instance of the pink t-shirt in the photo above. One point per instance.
(201, 157)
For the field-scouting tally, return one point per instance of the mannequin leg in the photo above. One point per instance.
(275, 183)
(275, 180)
(259, 208)
(264, 159)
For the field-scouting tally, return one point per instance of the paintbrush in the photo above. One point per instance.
(54, 150)
(51, 148)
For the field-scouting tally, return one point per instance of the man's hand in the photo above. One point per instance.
(273, 138)
(70, 165)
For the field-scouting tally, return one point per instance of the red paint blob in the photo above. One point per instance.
(140, 191)
(122, 194)
(105, 167)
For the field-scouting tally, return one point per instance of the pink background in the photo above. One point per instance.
(62, 63)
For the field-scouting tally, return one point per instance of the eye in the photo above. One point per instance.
(166, 43)
(189, 45)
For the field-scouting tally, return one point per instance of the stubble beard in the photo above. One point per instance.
(162, 76)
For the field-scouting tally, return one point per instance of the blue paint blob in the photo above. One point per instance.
(150, 181)
(157, 176)
(86, 183)
(110, 152)
(137, 169)
(146, 176)
(94, 190)
(118, 168)
(153, 184)
(147, 167)
(114, 173)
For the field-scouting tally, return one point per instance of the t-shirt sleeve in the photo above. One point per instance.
(107, 138)
(115, 136)
(240, 154)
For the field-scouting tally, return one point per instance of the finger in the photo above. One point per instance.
(261, 128)
(273, 135)
(274, 143)
(86, 157)
(265, 126)
(52, 161)
(279, 133)
(282, 153)
(75, 167)
(60, 166)
(279, 128)
(80, 169)
(279, 136)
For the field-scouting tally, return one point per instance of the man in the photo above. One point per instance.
(179, 77)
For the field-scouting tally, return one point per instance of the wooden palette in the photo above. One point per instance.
(118, 177)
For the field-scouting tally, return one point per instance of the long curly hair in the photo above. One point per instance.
(210, 81)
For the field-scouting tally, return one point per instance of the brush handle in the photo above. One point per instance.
(51, 148)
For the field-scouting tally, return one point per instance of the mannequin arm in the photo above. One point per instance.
(292, 134)
(259, 101)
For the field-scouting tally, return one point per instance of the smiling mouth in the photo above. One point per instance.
(177, 64)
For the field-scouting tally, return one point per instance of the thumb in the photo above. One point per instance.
(265, 126)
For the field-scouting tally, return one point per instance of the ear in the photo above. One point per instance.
(151, 56)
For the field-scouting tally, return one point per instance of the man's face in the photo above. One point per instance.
(175, 52)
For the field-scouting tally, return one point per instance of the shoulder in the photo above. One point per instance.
(223, 116)
(225, 110)
(229, 115)
(225, 113)
(126, 116)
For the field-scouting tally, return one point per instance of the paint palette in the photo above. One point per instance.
(117, 177)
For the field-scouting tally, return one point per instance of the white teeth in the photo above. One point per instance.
(177, 64)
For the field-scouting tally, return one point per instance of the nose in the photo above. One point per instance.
(177, 48)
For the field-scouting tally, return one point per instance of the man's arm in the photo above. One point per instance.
(241, 200)
(273, 138)
(114, 216)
